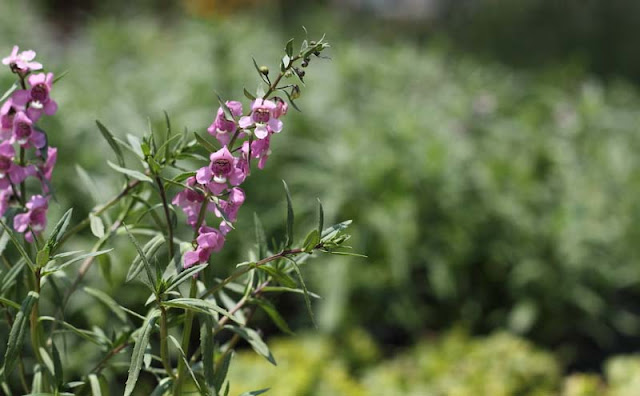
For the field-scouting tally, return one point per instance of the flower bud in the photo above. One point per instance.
(264, 70)
(295, 92)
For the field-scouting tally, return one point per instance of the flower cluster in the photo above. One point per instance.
(24, 152)
(215, 187)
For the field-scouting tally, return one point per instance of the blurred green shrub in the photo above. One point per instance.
(454, 365)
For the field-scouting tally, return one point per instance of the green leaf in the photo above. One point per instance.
(163, 386)
(59, 229)
(10, 303)
(17, 333)
(130, 172)
(141, 260)
(42, 257)
(222, 370)
(254, 339)
(286, 62)
(289, 240)
(261, 239)
(288, 49)
(295, 106)
(176, 343)
(225, 109)
(273, 313)
(307, 300)
(255, 392)
(4, 240)
(311, 241)
(97, 226)
(109, 302)
(202, 306)
(262, 76)
(60, 76)
(249, 95)
(183, 176)
(206, 341)
(278, 276)
(94, 381)
(86, 334)
(57, 365)
(320, 217)
(18, 246)
(46, 359)
(50, 268)
(333, 231)
(10, 91)
(205, 143)
(137, 357)
(184, 275)
(10, 276)
(108, 136)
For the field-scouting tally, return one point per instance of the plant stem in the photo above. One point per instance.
(167, 214)
(164, 348)
(186, 337)
(275, 83)
(34, 323)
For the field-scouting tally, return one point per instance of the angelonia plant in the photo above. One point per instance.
(185, 335)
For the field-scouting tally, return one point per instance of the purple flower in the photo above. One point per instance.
(209, 240)
(223, 168)
(22, 61)
(260, 149)
(24, 134)
(5, 196)
(264, 115)
(7, 113)
(46, 169)
(10, 172)
(35, 217)
(38, 95)
(222, 128)
(190, 201)
(229, 208)
(281, 107)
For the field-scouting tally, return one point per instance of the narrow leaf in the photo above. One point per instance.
(255, 392)
(249, 95)
(273, 313)
(17, 333)
(206, 340)
(311, 241)
(53, 267)
(59, 229)
(97, 226)
(141, 260)
(184, 275)
(176, 343)
(9, 91)
(202, 306)
(254, 339)
(261, 239)
(139, 348)
(205, 143)
(95, 385)
(278, 276)
(320, 218)
(307, 300)
(288, 49)
(130, 172)
(108, 136)
(289, 240)
(18, 246)
(222, 370)
(108, 301)
(57, 365)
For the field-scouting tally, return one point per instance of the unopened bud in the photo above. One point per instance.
(305, 62)
(264, 70)
(295, 92)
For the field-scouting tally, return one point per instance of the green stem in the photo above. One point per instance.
(34, 323)
(164, 347)
(275, 83)
(167, 214)
(186, 337)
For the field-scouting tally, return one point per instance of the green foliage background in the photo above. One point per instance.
(485, 196)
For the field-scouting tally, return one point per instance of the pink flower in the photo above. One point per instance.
(21, 61)
(16, 173)
(46, 169)
(35, 218)
(209, 240)
(7, 113)
(281, 107)
(260, 149)
(223, 168)
(263, 116)
(190, 201)
(222, 128)
(230, 207)
(38, 95)
(24, 133)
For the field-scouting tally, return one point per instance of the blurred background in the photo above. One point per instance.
(486, 150)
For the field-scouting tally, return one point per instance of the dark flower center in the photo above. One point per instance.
(5, 164)
(23, 130)
(221, 167)
(261, 115)
(40, 93)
